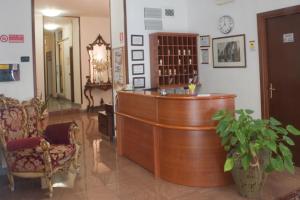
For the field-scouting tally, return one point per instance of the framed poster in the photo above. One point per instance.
(137, 40)
(205, 41)
(139, 82)
(137, 55)
(138, 69)
(204, 56)
(119, 71)
(229, 52)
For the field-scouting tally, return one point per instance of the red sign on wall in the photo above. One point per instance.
(12, 38)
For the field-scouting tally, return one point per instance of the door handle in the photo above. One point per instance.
(272, 89)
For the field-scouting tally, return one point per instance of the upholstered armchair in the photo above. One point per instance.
(31, 151)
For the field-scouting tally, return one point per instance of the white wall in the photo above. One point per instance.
(76, 60)
(203, 18)
(17, 20)
(39, 52)
(117, 23)
(90, 28)
(135, 25)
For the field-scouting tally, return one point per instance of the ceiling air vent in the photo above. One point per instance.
(153, 19)
(153, 13)
(169, 12)
(151, 24)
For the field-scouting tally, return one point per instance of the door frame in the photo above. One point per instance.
(263, 53)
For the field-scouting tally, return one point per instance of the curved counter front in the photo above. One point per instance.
(173, 136)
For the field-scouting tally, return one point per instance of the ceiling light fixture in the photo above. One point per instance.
(51, 26)
(51, 12)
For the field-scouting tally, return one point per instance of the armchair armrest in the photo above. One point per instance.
(21, 144)
(61, 133)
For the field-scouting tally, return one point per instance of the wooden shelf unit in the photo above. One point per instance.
(173, 59)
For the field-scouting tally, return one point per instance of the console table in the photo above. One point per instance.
(88, 88)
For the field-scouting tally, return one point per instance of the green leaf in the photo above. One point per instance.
(270, 133)
(288, 140)
(289, 165)
(277, 163)
(274, 122)
(249, 112)
(229, 164)
(219, 115)
(253, 148)
(234, 141)
(271, 145)
(246, 162)
(269, 168)
(293, 130)
(241, 137)
(225, 140)
(286, 152)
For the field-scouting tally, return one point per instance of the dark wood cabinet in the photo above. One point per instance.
(106, 123)
(174, 59)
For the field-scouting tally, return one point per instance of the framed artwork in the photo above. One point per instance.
(137, 40)
(139, 82)
(205, 41)
(137, 55)
(229, 52)
(138, 69)
(204, 56)
(119, 71)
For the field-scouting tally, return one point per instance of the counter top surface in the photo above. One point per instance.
(200, 96)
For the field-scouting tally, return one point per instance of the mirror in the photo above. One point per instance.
(99, 62)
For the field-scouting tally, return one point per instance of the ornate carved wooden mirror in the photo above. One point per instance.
(99, 62)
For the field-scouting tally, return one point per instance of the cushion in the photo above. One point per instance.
(58, 133)
(21, 144)
(31, 160)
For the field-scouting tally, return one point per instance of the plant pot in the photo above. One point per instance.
(250, 183)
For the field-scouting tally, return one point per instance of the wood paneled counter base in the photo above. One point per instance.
(173, 136)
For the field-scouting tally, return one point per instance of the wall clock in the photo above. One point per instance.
(226, 24)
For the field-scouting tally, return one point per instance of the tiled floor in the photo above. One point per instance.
(106, 176)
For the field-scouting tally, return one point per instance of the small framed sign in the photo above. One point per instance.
(138, 69)
(204, 56)
(137, 40)
(139, 82)
(205, 41)
(137, 55)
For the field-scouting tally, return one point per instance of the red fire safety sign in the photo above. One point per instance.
(12, 38)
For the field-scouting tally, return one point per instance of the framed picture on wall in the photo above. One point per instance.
(204, 56)
(204, 41)
(137, 55)
(137, 40)
(229, 52)
(138, 69)
(139, 82)
(119, 71)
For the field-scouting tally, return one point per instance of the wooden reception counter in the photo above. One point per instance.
(173, 136)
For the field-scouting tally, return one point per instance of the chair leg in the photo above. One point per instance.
(11, 182)
(76, 161)
(49, 185)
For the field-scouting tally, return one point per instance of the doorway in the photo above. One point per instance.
(279, 32)
(61, 42)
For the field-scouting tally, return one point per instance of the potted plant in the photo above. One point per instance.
(255, 147)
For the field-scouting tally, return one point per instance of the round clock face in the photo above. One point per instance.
(226, 24)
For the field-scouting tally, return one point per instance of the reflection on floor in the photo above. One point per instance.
(61, 104)
(106, 176)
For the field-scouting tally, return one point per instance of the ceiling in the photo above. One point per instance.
(92, 8)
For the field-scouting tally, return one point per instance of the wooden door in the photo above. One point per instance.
(283, 43)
